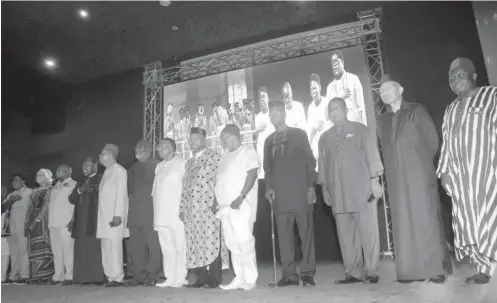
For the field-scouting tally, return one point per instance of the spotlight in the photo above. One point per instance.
(165, 3)
(50, 63)
(84, 14)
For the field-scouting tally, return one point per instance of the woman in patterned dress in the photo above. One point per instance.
(41, 265)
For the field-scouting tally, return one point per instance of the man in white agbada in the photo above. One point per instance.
(60, 213)
(167, 198)
(295, 113)
(112, 215)
(263, 126)
(236, 193)
(317, 115)
(347, 86)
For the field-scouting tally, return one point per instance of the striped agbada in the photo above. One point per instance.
(468, 158)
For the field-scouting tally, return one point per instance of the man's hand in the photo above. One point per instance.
(311, 195)
(70, 226)
(214, 207)
(15, 198)
(346, 93)
(116, 221)
(446, 183)
(236, 203)
(376, 188)
(85, 187)
(270, 195)
(182, 216)
(326, 195)
(261, 128)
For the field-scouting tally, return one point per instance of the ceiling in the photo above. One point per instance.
(120, 36)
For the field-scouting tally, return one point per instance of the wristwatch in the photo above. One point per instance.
(243, 196)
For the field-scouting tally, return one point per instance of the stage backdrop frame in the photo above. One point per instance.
(365, 31)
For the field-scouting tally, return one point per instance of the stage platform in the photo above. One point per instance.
(454, 291)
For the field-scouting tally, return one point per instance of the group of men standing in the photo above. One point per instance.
(349, 168)
(194, 211)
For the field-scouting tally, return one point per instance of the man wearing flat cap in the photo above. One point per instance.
(143, 244)
(112, 214)
(468, 168)
(409, 142)
(206, 253)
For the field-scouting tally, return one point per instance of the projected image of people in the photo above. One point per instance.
(169, 124)
(295, 114)
(200, 119)
(347, 86)
(263, 125)
(317, 118)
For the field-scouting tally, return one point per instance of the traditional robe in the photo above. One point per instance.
(113, 202)
(348, 159)
(41, 265)
(18, 243)
(5, 252)
(238, 224)
(143, 244)
(59, 215)
(469, 159)
(87, 248)
(355, 103)
(290, 171)
(203, 229)
(409, 142)
(166, 193)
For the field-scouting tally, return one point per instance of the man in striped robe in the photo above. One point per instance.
(468, 168)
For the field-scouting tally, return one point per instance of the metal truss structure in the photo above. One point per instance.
(365, 31)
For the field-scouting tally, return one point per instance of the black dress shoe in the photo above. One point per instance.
(287, 282)
(67, 282)
(308, 281)
(348, 280)
(409, 281)
(212, 284)
(113, 284)
(479, 278)
(371, 279)
(149, 282)
(440, 279)
(197, 284)
(133, 283)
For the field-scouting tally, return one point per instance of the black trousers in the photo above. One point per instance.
(285, 223)
(144, 253)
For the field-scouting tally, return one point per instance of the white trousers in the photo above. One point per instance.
(237, 227)
(5, 258)
(173, 245)
(63, 253)
(112, 259)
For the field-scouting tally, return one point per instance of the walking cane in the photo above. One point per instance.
(275, 283)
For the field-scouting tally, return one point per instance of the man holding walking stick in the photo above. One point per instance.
(290, 176)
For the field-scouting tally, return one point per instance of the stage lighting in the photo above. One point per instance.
(165, 3)
(50, 63)
(84, 14)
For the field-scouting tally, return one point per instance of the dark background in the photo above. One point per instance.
(46, 123)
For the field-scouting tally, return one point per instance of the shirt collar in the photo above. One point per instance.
(199, 154)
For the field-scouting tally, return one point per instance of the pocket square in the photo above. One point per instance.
(349, 135)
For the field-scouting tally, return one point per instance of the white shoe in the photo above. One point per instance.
(235, 284)
(166, 283)
(248, 286)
